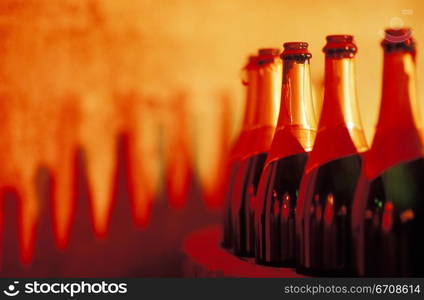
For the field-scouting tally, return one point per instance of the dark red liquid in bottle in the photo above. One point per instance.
(329, 226)
(227, 240)
(276, 224)
(258, 144)
(331, 174)
(246, 188)
(240, 148)
(387, 219)
(393, 222)
(279, 184)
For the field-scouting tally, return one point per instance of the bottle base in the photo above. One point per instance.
(277, 264)
(323, 273)
(243, 254)
(226, 245)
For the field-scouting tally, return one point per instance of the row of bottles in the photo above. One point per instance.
(313, 195)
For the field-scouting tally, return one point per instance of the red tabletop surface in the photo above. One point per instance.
(202, 249)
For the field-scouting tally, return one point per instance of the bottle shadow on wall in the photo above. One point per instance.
(153, 251)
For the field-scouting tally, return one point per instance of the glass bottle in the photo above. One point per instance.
(387, 218)
(331, 173)
(280, 180)
(258, 142)
(251, 82)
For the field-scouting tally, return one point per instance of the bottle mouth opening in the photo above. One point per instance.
(296, 50)
(295, 46)
(252, 62)
(340, 38)
(252, 59)
(397, 32)
(398, 39)
(340, 46)
(269, 51)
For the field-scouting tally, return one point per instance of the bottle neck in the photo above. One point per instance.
(296, 108)
(251, 98)
(396, 139)
(296, 129)
(340, 107)
(268, 94)
(399, 105)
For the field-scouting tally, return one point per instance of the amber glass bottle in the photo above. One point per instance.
(387, 219)
(239, 149)
(258, 142)
(331, 174)
(280, 180)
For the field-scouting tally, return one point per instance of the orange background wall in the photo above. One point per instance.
(77, 73)
(162, 48)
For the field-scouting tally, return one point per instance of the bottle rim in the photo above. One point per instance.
(340, 46)
(295, 45)
(296, 50)
(268, 51)
(267, 55)
(398, 39)
(339, 38)
(252, 62)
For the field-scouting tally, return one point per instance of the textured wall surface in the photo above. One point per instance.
(76, 74)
